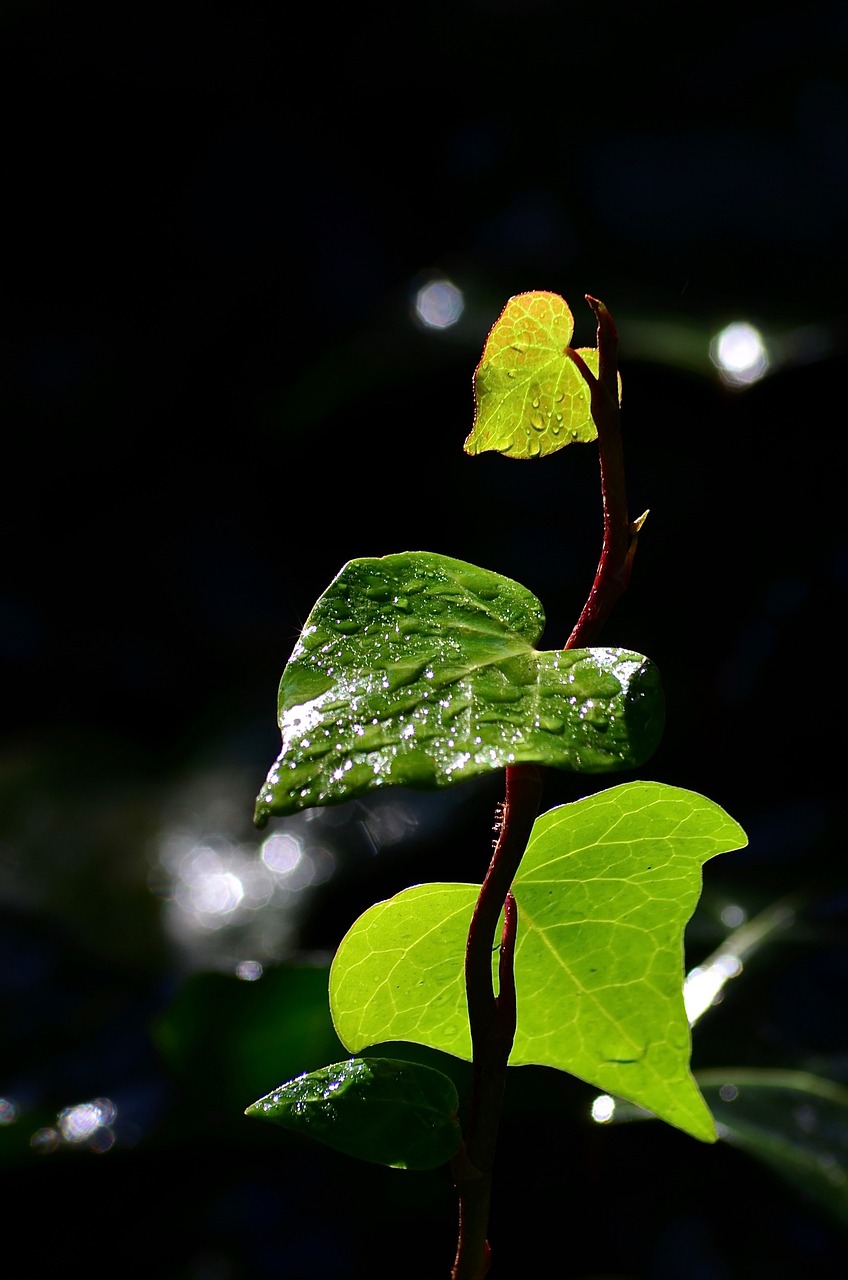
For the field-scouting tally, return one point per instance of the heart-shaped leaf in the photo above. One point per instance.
(604, 891)
(418, 669)
(530, 397)
(400, 1114)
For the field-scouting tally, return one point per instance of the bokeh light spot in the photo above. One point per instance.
(438, 304)
(739, 353)
(603, 1108)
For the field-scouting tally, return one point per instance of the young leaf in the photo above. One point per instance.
(530, 397)
(417, 669)
(400, 1114)
(604, 891)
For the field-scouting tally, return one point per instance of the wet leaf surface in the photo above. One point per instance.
(530, 397)
(420, 670)
(400, 1114)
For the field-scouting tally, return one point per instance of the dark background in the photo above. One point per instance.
(214, 394)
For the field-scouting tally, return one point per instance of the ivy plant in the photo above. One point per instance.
(420, 670)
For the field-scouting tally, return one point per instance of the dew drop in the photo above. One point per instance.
(551, 724)
(537, 423)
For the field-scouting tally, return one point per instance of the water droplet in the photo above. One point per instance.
(551, 724)
(313, 638)
(536, 403)
(537, 423)
(510, 373)
(503, 693)
(377, 591)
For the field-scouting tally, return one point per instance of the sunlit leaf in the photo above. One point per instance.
(418, 669)
(398, 973)
(400, 1114)
(604, 891)
(530, 397)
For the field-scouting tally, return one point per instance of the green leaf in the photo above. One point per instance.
(272, 1027)
(604, 891)
(419, 670)
(399, 972)
(400, 1114)
(794, 1122)
(530, 397)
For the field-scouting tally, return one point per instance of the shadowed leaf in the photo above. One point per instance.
(794, 1122)
(390, 1112)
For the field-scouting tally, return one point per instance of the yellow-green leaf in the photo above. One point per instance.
(530, 397)
(604, 891)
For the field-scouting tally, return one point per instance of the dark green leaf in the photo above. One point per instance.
(795, 1122)
(273, 1027)
(390, 1112)
(419, 670)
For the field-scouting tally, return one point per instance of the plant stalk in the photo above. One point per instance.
(618, 548)
(492, 1017)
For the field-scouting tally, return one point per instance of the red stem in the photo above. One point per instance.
(492, 1017)
(620, 536)
(472, 1168)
